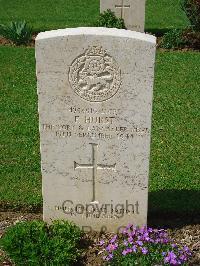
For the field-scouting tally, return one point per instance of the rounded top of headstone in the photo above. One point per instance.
(96, 31)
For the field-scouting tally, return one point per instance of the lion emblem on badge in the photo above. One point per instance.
(95, 75)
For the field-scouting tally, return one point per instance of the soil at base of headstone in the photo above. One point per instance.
(6, 42)
(186, 235)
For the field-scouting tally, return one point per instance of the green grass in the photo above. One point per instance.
(20, 176)
(162, 15)
(53, 14)
(175, 152)
(174, 182)
(50, 14)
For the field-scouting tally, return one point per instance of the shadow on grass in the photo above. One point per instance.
(174, 208)
(157, 32)
(167, 208)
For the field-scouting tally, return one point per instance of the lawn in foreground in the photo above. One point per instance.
(51, 14)
(174, 175)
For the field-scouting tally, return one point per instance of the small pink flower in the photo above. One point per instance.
(139, 243)
(111, 247)
(144, 251)
(125, 243)
(124, 252)
(134, 248)
(129, 226)
(101, 243)
(130, 240)
(113, 239)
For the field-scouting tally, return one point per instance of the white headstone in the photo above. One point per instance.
(132, 11)
(95, 89)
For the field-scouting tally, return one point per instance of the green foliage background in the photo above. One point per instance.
(54, 14)
(174, 175)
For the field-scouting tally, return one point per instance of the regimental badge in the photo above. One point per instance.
(95, 75)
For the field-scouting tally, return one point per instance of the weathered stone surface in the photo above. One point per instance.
(132, 11)
(95, 89)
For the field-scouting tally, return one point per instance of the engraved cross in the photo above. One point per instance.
(122, 7)
(95, 167)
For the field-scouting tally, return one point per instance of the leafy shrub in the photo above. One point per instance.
(18, 32)
(143, 246)
(108, 19)
(173, 39)
(192, 10)
(36, 243)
